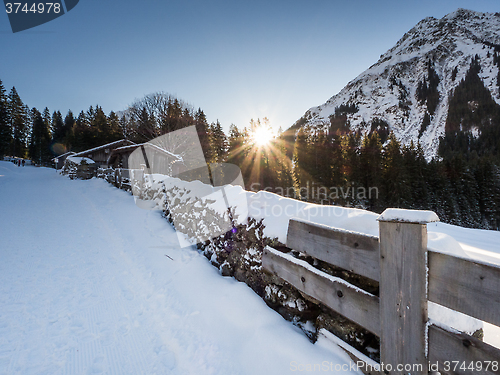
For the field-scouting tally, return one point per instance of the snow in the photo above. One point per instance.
(90, 283)
(475, 244)
(408, 216)
(276, 211)
(100, 285)
(444, 317)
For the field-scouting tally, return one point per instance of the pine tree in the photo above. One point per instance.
(466, 192)
(417, 173)
(219, 142)
(489, 198)
(5, 124)
(237, 151)
(125, 127)
(19, 118)
(115, 128)
(395, 184)
(175, 114)
(351, 171)
(81, 136)
(40, 139)
(69, 123)
(203, 130)
(441, 196)
(59, 133)
(101, 127)
(370, 163)
(302, 163)
(283, 168)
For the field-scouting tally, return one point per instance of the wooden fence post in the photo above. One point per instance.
(403, 290)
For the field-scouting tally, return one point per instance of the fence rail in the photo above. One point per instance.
(121, 178)
(409, 276)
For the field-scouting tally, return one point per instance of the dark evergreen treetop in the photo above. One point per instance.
(5, 126)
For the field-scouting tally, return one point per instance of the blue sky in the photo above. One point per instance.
(236, 60)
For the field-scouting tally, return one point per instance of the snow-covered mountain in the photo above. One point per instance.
(388, 90)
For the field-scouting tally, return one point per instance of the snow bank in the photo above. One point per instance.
(110, 291)
(276, 211)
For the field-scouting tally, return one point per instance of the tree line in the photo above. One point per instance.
(461, 184)
(362, 172)
(327, 166)
(41, 135)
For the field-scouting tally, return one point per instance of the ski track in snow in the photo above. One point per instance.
(86, 288)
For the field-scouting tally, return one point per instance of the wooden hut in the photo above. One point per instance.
(100, 155)
(151, 158)
(59, 160)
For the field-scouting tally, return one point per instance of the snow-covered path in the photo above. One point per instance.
(91, 284)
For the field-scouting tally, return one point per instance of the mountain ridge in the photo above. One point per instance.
(391, 89)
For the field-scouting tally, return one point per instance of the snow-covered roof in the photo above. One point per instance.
(63, 155)
(155, 147)
(163, 150)
(78, 160)
(108, 145)
(125, 148)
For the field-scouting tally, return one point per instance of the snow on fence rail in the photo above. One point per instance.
(409, 276)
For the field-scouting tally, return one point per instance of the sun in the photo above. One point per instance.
(262, 136)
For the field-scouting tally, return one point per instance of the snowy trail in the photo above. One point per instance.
(91, 284)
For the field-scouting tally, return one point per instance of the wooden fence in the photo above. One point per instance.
(409, 276)
(121, 178)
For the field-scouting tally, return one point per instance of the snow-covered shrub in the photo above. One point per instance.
(238, 253)
(107, 174)
(190, 215)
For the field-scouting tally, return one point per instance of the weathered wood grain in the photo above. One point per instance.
(470, 287)
(342, 297)
(403, 302)
(472, 354)
(355, 252)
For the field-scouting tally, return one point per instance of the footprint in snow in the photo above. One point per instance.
(166, 357)
(97, 366)
(127, 294)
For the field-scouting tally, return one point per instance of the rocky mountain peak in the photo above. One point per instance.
(411, 83)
